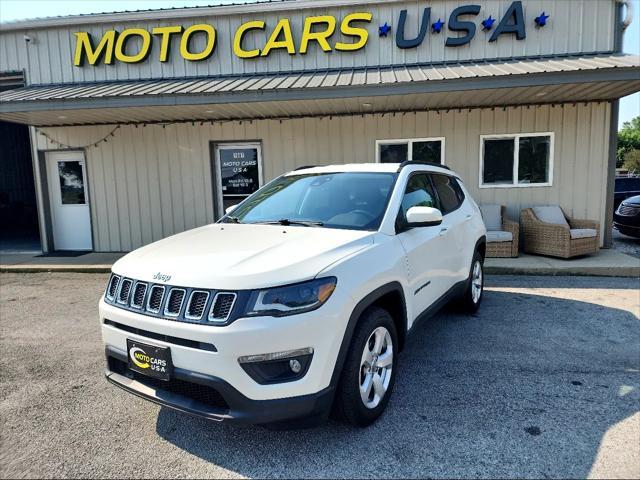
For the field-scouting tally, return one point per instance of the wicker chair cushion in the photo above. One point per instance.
(496, 236)
(492, 216)
(583, 233)
(550, 214)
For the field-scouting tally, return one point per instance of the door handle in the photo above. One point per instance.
(468, 217)
(444, 230)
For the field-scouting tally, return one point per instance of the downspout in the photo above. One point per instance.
(620, 26)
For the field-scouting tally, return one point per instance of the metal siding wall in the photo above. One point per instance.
(576, 26)
(148, 183)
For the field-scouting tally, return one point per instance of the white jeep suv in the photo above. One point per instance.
(299, 300)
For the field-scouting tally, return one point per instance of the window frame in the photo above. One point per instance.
(516, 159)
(410, 142)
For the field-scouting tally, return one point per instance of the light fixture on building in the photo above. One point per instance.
(62, 117)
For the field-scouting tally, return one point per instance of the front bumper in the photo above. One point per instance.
(207, 355)
(218, 400)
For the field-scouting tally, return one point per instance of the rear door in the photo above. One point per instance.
(425, 247)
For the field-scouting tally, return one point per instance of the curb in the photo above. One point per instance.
(55, 268)
(620, 272)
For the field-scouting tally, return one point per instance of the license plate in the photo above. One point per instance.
(150, 360)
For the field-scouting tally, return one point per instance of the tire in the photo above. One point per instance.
(471, 299)
(375, 323)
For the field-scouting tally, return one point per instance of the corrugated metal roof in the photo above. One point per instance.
(346, 78)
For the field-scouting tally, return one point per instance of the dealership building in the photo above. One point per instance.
(119, 129)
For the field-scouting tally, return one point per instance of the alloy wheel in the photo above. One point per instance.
(376, 365)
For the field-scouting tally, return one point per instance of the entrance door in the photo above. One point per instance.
(69, 201)
(238, 173)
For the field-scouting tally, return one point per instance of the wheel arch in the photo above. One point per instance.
(389, 297)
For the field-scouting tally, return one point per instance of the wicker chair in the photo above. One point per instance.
(502, 235)
(567, 239)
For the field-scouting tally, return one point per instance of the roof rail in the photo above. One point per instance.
(412, 162)
(305, 167)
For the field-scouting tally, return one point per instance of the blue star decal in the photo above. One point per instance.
(383, 30)
(487, 24)
(437, 27)
(541, 21)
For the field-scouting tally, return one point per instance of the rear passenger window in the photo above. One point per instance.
(449, 191)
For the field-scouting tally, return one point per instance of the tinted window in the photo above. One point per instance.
(338, 200)
(394, 153)
(498, 161)
(419, 193)
(449, 192)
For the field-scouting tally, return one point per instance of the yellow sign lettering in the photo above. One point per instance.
(320, 36)
(121, 45)
(283, 27)
(84, 48)
(165, 34)
(240, 33)
(210, 33)
(362, 34)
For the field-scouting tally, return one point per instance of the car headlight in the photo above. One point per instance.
(290, 299)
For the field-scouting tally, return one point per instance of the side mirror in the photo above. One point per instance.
(424, 217)
(230, 209)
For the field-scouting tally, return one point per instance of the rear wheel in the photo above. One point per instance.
(369, 371)
(475, 286)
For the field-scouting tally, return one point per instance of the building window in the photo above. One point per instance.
(523, 160)
(413, 150)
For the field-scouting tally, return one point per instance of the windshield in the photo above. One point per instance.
(349, 200)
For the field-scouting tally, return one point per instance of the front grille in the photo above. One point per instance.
(222, 306)
(197, 304)
(629, 210)
(174, 302)
(125, 289)
(155, 299)
(139, 292)
(200, 393)
(113, 287)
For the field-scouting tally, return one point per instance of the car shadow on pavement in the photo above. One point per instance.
(527, 387)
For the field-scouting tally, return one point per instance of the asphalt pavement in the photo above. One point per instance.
(543, 382)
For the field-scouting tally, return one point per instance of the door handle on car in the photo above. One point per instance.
(444, 230)
(468, 217)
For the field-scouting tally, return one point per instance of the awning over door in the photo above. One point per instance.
(525, 81)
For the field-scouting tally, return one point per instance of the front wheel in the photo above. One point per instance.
(475, 286)
(369, 371)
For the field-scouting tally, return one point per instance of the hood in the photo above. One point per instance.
(632, 200)
(238, 257)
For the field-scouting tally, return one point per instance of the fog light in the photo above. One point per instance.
(277, 367)
(295, 366)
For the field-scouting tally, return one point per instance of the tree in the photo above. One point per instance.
(632, 161)
(628, 139)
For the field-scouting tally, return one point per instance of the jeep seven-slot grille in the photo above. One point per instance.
(125, 289)
(197, 304)
(139, 292)
(176, 303)
(113, 287)
(222, 305)
(155, 299)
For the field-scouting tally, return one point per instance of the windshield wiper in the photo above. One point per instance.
(286, 222)
(233, 220)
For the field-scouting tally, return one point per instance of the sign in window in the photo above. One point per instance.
(516, 160)
(239, 173)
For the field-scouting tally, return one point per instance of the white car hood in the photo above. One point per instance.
(241, 256)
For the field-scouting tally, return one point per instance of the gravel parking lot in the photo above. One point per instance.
(543, 382)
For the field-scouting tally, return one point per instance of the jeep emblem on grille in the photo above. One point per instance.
(162, 277)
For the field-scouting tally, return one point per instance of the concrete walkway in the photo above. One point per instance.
(608, 263)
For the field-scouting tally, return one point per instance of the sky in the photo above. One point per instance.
(21, 9)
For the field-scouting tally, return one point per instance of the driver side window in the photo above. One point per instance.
(419, 193)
